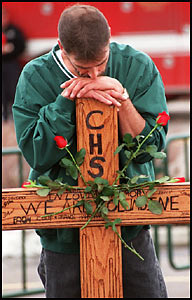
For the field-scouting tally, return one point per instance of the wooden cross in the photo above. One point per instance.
(100, 248)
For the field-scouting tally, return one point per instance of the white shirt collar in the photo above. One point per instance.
(58, 53)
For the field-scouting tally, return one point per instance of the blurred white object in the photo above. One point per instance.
(11, 243)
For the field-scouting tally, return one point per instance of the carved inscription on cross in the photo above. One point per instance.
(23, 208)
(100, 248)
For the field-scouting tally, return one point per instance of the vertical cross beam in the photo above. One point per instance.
(100, 248)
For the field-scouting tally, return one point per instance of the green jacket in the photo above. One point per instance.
(40, 113)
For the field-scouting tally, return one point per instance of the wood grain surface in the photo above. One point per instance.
(100, 248)
(23, 208)
(97, 132)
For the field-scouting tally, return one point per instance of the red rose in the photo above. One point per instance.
(25, 183)
(60, 141)
(4, 39)
(162, 118)
(180, 179)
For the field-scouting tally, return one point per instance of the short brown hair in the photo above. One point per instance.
(84, 32)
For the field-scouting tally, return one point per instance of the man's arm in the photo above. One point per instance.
(130, 121)
(40, 113)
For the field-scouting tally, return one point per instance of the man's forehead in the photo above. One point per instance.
(93, 64)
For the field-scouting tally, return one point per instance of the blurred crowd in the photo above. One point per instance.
(13, 45)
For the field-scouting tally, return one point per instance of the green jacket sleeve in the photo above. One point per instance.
(40, 113)
(148, 96)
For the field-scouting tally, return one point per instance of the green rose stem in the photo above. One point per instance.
(140, 145)
(74, 161)
(59, 212)
(139, 185)
(135, 153)
(34, 185)
(101, 204)
(130, 248)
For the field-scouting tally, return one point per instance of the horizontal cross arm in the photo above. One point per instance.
(23, 208)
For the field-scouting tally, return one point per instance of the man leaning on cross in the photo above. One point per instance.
(84, 64)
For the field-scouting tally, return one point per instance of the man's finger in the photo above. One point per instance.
(86, 89)
(73, 86)
(102, 97)
(67, 83)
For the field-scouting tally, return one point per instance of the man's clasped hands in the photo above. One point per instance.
(102, 88)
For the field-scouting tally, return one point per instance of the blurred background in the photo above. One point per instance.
(160, 29)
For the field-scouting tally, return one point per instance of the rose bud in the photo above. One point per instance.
(25, 183)
(162, 118)
(180, 179)
(60, 141)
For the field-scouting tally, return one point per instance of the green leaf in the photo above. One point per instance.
(155, 207)
(54, 185)
(130, 145)
(60, 192)
(43, 192)
(104, 210)
(79, 157)
(141, 201)
(113, 227)
(122, 199)
(127, 138)
(108, 191)
(151, 185)
(162, 179)
(108, 224)
(117, 221)
(73, 172)
(125, 204)
(60, 179)
(152, 191)
(101, 183)
(134, 179)
(90, 182)
(122, 196)
(158, 155)
(143, 176)
(65, 162)
(88, 207)
(99, 180)
(116, 199)
(119, 148)
(43, 179)
(151, 149)
(127, 154)
(105, 198)
(88, 189)
(100, 187)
